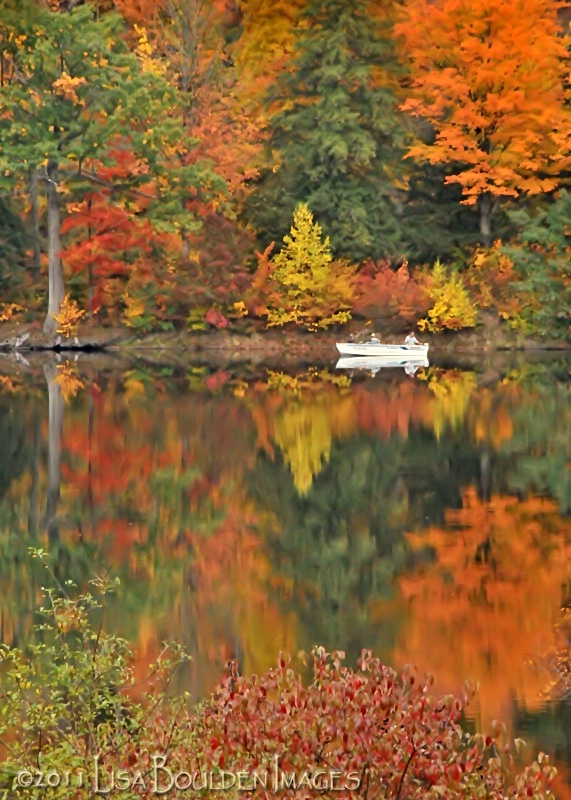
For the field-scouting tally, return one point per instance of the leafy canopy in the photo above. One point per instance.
(70, 89)
(491, 78)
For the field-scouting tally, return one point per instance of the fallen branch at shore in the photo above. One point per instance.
(20, 344)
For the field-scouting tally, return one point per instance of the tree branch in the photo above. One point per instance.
(91, 176)
(69, 137)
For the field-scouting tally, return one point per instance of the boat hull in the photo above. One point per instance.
(375, 363)
(405, 351)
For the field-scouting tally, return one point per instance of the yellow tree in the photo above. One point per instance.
(491, 78)
(312, 288)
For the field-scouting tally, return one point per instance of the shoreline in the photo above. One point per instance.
(236, 344)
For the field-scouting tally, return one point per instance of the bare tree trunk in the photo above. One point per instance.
(55, 268)
(487, 208)
(89, 266)
(35, 213)
(55, 433)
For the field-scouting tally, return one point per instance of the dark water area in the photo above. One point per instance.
(247, 511)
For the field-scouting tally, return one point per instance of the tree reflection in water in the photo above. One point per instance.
(424, 520)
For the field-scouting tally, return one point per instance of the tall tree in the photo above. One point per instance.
(266, 40)
(70, 90)
(335, 135)
(490, 77)
(188, 41)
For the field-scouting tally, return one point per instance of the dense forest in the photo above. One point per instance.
(215, 163)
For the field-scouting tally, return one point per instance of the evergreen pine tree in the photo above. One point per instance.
(540, 254)
(336, 137)
(435, 223)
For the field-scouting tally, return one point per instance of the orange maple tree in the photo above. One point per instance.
(491, 78)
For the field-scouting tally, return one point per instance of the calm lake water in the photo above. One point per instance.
(248, 511)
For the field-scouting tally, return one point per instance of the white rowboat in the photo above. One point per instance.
(378, 350)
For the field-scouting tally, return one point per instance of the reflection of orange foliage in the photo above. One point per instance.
(10, 384)
(490, 413)
(562, 781)
(393, 410)
(113, 459)
(231, 576)
(489, 599)
(558, 661)
(492, 424)
(130, 476)
(69, 380)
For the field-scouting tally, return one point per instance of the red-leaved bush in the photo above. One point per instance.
(384, 292)
(365, 733)
(73, 725)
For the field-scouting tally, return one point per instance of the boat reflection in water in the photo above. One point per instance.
(374, 363)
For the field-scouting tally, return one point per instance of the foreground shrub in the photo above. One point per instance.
(378, 733)
(76, 726)
(70, 712)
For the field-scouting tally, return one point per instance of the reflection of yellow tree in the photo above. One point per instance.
(305, 425)
(489, 599)
(303, 433)
(452, 392)
(490, 414)
(302, 418)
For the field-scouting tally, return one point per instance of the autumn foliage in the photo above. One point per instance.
(491, 281)
(303, 283)
(377, 730)
(452, 308)
(490, 583)
(490, 77)
(364, 732)
(165, 143)
(382, 291)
